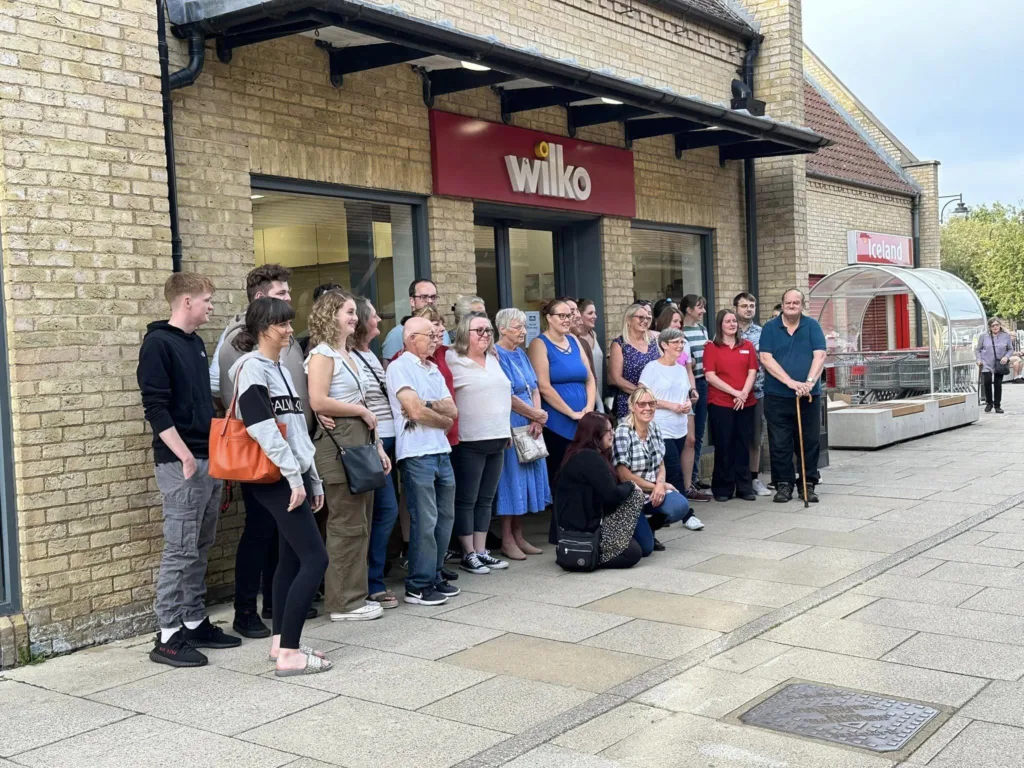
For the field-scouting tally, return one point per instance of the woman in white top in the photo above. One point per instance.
(588, 322)
(335, 390)
(483, 395)
(672, 384)
(385, 500)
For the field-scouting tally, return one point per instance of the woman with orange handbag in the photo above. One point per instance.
(266, 402)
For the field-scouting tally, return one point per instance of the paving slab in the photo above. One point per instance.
(551, 622)
(981, 575)
(915, 567)
(367, 735)
(678, 609)
(408, 635)
(982, 745)
(867, 542)
(658, 578)
(555, 590)
(390, 678)
(1009, 601)
(705, 691)
(1000, 524)
(610, 728)
(881, 677)
(153, 743)
(892, 491)
(958, 654)
(938, 740)
(88, 671)
(198, 699)
(550, 756)
(943, 620)
(838, 636)
(978, 555)
(652, 638)
(842, 606)
(971, 497)
(734, 545)
(508, 704)
(747, 655)
(850, 507)
(578, 666)
(33, 717)
(919, 590)
(433, 611)
(1000, 702)
(689, 741)
(930, 512)
(764, 525)
(770, 594)
(1014, 541)
(253, 656)
(816, 567)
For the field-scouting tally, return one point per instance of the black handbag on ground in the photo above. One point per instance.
(363, 468)
(1000, 368)
(578, 550)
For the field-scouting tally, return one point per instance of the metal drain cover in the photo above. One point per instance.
(847, 717)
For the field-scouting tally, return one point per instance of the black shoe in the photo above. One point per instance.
(312, 613)
(658, 546)
(449, 575)
(453, 556)
(812, 497)
(722, 498)
(988, 408)
(748, 496)
(177, 652)
(998, 409)
(425, 596)
(446, 589)
(701, 485)
(783, 493)
(248, 624)
(208, 635)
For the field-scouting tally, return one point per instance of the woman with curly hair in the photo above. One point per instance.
(336, 390)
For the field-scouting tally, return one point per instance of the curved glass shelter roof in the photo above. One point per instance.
(951, 312)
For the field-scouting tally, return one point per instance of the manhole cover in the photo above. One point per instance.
(848, 717)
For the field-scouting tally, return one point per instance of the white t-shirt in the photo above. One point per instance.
(375, 389)
(425, 379)
(346, 383)
(483, 397)
(671, 383)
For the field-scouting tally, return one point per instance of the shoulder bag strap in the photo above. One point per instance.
(383, 389)
(362, 401)
(234, 399)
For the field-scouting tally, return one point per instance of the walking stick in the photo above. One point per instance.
(803, 465)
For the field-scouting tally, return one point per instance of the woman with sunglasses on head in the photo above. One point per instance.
(630, 352)
(483, 396)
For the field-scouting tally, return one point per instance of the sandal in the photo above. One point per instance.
(306, 650)
(314, 666)
(385, 599)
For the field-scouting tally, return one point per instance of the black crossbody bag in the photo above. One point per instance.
(578, 550)
(363, 468)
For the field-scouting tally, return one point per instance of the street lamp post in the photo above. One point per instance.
(960, 210)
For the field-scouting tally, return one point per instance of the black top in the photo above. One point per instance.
(586, 491)
(174, 377)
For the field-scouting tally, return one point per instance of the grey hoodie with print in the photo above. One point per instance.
(266, 397)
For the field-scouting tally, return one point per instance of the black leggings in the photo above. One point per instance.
(302, 557)
(557, 446)
(993, 382)
(477, 466)
(629, 557)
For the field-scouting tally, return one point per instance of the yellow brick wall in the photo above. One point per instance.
(926, 174)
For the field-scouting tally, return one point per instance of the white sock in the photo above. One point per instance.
(194, 624)
(167, 634)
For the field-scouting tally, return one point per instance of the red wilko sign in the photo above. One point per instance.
(490, 161)
(873, 248)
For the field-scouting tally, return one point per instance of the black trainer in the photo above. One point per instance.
(449, 575)
(658, 546)
(748, 496)
(988, 408)
(177, 652)
(425, 596)
(700, 485)
(783, 493)
(248, 624)
(812, 497)
(999, 410)
(209, 635)
(446, 589)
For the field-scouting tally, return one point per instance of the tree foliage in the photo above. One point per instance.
(986, 250)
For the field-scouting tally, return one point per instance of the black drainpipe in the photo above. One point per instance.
(750, 186)
(915, 228)
(170, 81)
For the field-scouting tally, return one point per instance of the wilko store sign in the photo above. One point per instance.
(875, 248)
(481, 160)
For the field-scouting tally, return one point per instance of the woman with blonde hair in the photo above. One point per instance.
(630, 353)
(639, 457)
(336, 390)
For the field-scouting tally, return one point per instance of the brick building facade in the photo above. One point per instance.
(274, 161)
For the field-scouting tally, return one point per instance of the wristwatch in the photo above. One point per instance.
(429, 404)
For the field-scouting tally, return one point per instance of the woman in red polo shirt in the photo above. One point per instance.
(730, 366)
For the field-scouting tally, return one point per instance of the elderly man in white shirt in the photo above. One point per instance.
(424, 412)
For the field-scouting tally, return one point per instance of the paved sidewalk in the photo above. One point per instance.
(905, 581)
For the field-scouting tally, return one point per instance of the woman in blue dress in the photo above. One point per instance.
(523, 488)
(630, 353)
(566, 383)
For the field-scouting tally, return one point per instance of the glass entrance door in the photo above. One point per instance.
(515, 266)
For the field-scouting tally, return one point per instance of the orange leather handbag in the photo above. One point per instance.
(234, 455)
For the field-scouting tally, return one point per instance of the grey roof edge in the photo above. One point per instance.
(875, 146)
(863, 107)
(744, 25)
(393, 24)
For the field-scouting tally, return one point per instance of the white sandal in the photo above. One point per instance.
(314, 666)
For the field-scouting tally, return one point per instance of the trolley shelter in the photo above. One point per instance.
(949, 317)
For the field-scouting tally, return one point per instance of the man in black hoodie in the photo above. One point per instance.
(174, 379)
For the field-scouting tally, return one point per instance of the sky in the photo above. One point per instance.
(944, 76)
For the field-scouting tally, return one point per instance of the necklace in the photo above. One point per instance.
(564, 350)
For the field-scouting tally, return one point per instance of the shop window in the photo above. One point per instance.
(366, 247)
(667, 264)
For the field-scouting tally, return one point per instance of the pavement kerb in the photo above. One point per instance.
(542, 733)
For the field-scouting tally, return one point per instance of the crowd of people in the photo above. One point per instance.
(447, 430)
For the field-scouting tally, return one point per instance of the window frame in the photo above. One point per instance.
(707, 250)
(10, 584)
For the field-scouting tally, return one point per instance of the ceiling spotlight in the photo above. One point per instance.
(256, 197)
(614, 102)
(473, 66)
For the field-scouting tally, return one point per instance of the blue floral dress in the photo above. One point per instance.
(522, 488)
(633, 364)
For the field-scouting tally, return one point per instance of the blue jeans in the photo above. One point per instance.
(429, 485)
(675, 507)
(674, 462)
(644, 536)
(385, 513)
(700, 417)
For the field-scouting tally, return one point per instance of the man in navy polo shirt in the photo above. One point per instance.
(793, 356)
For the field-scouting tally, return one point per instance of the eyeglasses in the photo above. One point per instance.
(428, 335)
(642, 318)
(431, 297)
(562, 315)
(676, 342)
(647, 405)
(481, 332)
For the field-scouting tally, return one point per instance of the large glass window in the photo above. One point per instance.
(667, 264)
(366, 247)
